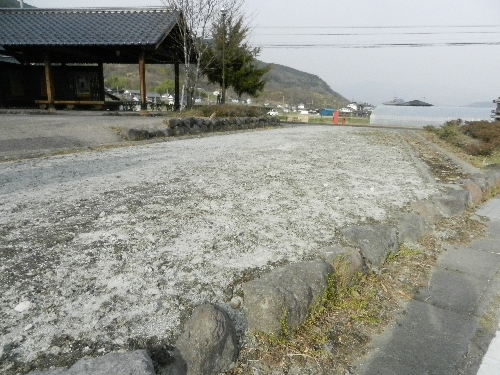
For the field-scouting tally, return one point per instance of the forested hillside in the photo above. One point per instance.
(296, 86)
(13, 4)
(302, 87)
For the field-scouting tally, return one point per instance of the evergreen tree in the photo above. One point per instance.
(241, 69)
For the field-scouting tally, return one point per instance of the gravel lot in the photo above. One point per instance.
(101, 250)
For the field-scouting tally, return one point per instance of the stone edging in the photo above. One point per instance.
(176, 127)
(209, 343)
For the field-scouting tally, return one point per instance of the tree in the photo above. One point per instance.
(166, 86)
(249, 79)
(118, 82)
(241, 70)
(200, 16)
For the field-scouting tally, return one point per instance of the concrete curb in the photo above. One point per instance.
(288, 292)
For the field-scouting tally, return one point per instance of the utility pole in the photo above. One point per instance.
(21, 3)
(223, 11)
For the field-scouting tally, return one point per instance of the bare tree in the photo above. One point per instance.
(200, 17)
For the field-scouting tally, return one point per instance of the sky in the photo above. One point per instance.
(355, 46)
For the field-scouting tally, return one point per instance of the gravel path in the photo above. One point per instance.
(109, 248)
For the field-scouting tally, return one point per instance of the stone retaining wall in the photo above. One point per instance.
(176, 127)
(209, 343)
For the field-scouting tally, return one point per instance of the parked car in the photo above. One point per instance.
(273, 112)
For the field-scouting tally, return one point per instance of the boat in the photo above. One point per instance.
(411, 103)
(396, 101)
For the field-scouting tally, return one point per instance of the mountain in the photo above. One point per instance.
(300, 87)
(284, 84)
(482, 104)
(13, 4)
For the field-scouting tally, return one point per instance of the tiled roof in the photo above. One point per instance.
(8, 59)
(85, 26)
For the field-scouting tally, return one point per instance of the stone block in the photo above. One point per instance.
(453, 203)
(475, 190)
(428, 211)
(208, 344)
(375, 241)
(137, 134)
(411, 227)
(346, 261)
(285, 293)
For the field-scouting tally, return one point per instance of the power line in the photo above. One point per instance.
(373, 27)
(355, 34)
(379, 45)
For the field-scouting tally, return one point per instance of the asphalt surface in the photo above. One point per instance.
(33, 135)
(445, 328)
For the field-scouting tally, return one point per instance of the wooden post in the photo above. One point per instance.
(49, 82)
(142, 77)
(177, 103)
(102, 95)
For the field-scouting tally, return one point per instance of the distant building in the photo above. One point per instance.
(326, 112)
(354, 106)
(496, 113)
(345, 110)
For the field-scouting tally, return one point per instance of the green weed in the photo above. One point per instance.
(404, 252)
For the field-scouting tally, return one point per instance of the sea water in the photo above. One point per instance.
(423, 116)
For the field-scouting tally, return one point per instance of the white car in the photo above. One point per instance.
(273, 112)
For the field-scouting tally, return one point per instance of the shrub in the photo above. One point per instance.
(476, 138)
(230, 110)
(450, 130)
(485, 131)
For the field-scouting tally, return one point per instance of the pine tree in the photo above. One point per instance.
(241, 69)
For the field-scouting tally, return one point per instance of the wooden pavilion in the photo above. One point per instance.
(59, 53)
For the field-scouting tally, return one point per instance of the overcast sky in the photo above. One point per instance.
(364, 62)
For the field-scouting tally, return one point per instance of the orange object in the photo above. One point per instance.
(336, 117)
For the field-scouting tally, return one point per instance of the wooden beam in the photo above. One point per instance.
(142, 77)
(177, 95)
(49, 82)
(72, 102)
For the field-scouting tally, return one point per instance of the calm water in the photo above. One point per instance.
(422, 116)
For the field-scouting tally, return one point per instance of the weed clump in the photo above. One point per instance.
(476, 138)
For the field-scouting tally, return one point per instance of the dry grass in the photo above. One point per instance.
(342, 322)
(477, 142)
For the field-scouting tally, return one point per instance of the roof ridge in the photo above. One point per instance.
(93, 9)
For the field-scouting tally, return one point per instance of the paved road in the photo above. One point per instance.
(27, 136)
(445, 328)
(491, 361)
